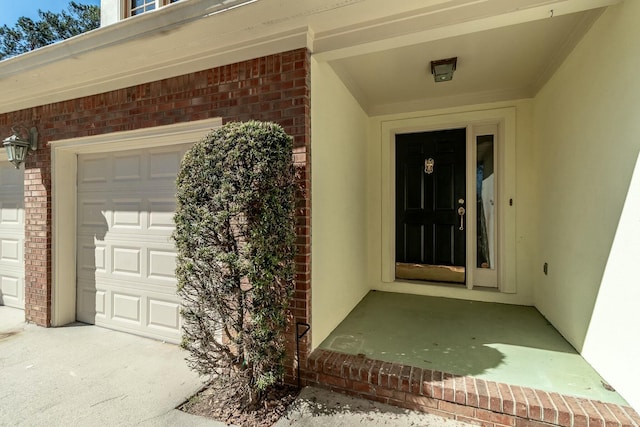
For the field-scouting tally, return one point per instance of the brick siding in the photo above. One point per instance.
(467, 399)
(273, 88)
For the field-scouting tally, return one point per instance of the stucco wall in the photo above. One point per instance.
(521, 263)
(339, 145)
(587, 139)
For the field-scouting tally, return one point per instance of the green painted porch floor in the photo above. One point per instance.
(496, 342)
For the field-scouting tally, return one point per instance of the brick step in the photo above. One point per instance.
(458, 397)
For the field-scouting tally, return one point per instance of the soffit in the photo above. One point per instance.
(505, 63)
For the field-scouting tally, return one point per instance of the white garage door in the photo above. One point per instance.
(125, 255)
(11, 236)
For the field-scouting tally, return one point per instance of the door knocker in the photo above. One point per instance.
(428, 165)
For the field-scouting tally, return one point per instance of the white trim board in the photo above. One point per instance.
(505, 119)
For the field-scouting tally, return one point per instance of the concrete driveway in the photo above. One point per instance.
(84, 375)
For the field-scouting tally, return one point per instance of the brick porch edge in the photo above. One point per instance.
(462, 398)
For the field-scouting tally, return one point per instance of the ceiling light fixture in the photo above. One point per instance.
(443, 69)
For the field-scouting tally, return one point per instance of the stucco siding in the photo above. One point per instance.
(586, 149)
(339, 200)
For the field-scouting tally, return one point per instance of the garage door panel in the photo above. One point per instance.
(91, 303)
(110, 283)
(159, 165)
(160, 214)
(11, 289)
(164, 164)
(93, 213)
(100, 259)
(120, 189)
(163, 315)
(11, 180)
(130, 237)
(128, 214)
(11, 250)
(127, 167)
(108, 217)
(11, 213)
(153, 314)
(126, 261)
(126, 307)
(161, 265)
(91, 255)
(126, 257)
(10, 286)
(152, 268)
(94, 170)
(11, 236)
(100, 304)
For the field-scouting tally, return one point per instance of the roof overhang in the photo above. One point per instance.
(199, 34)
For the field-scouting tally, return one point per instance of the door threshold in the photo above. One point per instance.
(431, 273)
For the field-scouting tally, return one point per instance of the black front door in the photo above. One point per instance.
(430, 204)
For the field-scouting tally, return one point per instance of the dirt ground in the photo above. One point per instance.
(316, 407)
(211, 402)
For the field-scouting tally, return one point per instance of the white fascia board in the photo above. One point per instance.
(177, 39)
(430, 23)
(157, 21)
(95, 83)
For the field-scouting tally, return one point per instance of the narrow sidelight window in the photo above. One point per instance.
(486, 202)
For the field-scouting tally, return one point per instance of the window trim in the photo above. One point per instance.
(158, 4)
(480, 277)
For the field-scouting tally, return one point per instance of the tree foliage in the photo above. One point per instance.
(28, 34)
(235, 237)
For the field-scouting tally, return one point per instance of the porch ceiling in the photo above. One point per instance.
(511, 62)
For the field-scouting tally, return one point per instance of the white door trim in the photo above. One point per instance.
(64, 198)
(505, 118)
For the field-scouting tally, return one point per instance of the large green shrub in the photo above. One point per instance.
(235, 236)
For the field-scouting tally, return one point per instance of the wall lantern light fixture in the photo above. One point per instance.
(443, 69)
(18, 144)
